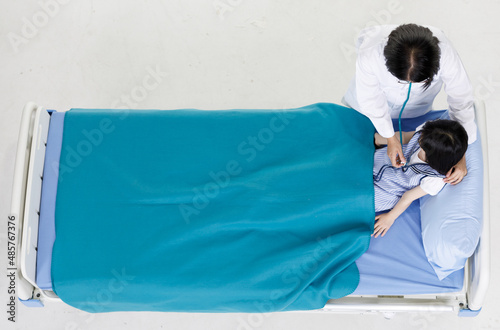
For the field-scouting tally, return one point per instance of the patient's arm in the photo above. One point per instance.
(382, 141)
(385, 220)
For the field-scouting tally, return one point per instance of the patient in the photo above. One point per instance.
(431, 152)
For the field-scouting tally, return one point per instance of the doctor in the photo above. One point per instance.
(391, 57)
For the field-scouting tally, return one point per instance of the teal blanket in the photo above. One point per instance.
(212, 211)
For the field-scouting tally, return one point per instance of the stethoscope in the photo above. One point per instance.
(400, 113)
(419, 168)
(405, 167)
(414, 167)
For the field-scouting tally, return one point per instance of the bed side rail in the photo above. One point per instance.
(26, 194)
(479, 270)
(394, 304)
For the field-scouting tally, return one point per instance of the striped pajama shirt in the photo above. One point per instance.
(390, 182)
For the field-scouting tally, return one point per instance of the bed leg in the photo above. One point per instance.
(468, 312)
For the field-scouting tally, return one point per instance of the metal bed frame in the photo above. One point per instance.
(26, 196)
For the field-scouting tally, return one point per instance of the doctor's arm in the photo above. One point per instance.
(373, 104)
(461, 104)
(381, 141)
(459, 90)
(384, 221)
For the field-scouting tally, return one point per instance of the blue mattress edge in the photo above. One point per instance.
(46, 227)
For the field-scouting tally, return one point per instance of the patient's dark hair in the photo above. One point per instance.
(412, 53)
(444, 143)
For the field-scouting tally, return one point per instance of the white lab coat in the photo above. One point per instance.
(376, 93)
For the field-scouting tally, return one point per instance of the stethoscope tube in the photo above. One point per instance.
(400, 113)
(415, 166)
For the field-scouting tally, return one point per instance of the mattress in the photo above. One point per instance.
(393, 265)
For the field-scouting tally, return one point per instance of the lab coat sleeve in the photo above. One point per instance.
(371, 99)
(459, 90)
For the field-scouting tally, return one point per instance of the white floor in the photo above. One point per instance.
(220, 54)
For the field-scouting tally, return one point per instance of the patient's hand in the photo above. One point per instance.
(383, 222)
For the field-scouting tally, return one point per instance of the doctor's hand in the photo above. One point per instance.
(457, 173)
(395, 152)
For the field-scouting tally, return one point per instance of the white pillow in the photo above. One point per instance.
(451, 221)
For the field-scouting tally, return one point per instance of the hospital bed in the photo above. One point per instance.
(462, 292)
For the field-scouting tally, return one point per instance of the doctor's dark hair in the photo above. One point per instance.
(444, 143)
(412, 53)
